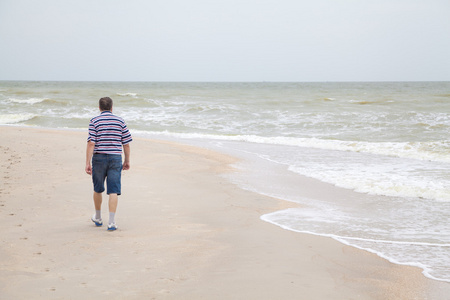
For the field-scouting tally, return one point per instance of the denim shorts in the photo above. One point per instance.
(109, 167)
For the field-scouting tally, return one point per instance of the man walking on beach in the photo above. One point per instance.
(108, 134)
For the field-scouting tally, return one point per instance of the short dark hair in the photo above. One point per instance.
(105, 103)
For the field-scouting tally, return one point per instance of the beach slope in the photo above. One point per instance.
(185, 232)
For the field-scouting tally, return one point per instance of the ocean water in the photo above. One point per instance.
(387, 141)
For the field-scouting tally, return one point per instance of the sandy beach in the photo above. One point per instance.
(185, 232)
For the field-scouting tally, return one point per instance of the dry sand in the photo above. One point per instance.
(184, 233)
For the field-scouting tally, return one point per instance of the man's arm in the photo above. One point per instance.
(89, 152)
(126, 163)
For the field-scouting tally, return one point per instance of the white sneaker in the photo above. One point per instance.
(112, 227)
(98, 222)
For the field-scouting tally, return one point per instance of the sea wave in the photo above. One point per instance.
(28, 100)
(134, 95)
(379, 180)
(79, 115)
(430, 151)
(15, 118)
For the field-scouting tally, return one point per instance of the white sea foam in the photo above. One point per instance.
(134, 95)
(380, 180)
(431, 257)
(432, 151)
(79, 115)
(15, 118)
(28, 100)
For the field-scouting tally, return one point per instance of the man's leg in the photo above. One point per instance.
(97, 201)
(114, 186)
(97, 218)
(113, 201)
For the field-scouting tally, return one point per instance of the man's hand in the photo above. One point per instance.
(89, 152)
(126, 162)
(88, 169)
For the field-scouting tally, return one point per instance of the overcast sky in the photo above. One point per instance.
(225, 40)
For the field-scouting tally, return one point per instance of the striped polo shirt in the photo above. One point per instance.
(109, 133)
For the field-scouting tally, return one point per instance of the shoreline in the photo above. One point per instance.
(184, 232)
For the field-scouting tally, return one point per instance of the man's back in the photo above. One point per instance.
(109, 132)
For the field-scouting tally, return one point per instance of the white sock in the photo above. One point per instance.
(98, 214)
(111, 218)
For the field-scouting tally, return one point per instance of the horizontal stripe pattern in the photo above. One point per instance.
(109, 132)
